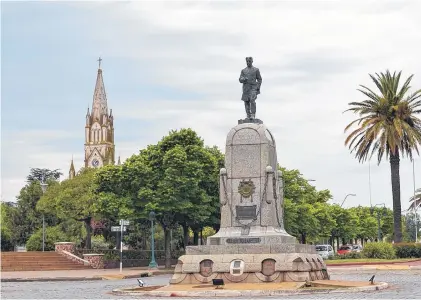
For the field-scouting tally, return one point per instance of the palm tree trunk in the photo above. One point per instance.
(396, 193)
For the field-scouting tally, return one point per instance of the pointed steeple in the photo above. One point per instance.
(72, 171)
(99, 103)
(119, 161)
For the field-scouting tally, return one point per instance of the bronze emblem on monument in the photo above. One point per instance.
(246, 188)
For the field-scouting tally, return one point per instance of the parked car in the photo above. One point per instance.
(344, 249)
(357, 248)
(325, 251)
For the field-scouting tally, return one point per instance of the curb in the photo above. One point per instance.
(371, 268)
(373, 263)
(45, 279)
(247, 293)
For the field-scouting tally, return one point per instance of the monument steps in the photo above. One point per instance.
(37, 261)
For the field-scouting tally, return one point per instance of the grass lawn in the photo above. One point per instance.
(367, 260)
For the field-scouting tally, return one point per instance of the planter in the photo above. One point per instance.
(95, 260)
(65, 246)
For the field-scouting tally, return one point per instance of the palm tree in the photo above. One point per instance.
(387, 125)
(416, 200)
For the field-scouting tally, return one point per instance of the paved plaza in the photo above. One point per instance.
(403, 285)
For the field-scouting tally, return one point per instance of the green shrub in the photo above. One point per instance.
(112, 255)
(98, 242)
(379, 250)
(52, 235)
(407, 250)
(336, 257)
(352, 255)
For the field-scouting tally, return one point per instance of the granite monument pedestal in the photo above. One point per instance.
(252, 245)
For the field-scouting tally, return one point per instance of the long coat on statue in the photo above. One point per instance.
(251, 80)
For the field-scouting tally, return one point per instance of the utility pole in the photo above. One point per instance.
(415, 206)
(44, 189)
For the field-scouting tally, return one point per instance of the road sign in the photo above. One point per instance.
(125, 222)
(117, 228)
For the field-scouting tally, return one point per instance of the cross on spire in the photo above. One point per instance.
(99, 62)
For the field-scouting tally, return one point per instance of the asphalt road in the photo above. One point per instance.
(403, 285)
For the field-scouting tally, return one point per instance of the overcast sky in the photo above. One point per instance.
(171, 65)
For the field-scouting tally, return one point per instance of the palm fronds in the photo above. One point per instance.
(415, 200)
(387, 123)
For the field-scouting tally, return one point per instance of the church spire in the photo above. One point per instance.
(119, 161)
(99, 128)
(99, 103)
(72, 171)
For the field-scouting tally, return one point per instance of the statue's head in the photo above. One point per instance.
(249, 61)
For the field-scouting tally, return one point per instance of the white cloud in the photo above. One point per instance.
(312, 56)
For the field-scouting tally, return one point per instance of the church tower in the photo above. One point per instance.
(99, 129)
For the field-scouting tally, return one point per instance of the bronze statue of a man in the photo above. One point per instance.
(252, 80)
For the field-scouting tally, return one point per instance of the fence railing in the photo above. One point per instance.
(113, 254)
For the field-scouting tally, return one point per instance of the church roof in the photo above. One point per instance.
(99, 103)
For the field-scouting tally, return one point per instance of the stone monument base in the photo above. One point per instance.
(250, 235)
(250, 120)
(249, 264)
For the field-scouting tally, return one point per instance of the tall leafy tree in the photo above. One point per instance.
(37, 174)
(367, 224)
(183, 182)
(177, 179)
(346, 224)
(387, 125)
(72, 198)
(26, 219)
(6, 226)
(305, 208)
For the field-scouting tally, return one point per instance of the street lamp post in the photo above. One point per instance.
(44, 189)
(379, 215)
(152, 264)
(347, 197)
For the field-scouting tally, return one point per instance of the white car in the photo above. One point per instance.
(325, 251)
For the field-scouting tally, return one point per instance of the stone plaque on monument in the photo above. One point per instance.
(246, 212)
(243, 240)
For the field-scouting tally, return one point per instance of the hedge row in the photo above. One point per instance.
(407, 250)
(385, 251)
(379, 250)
